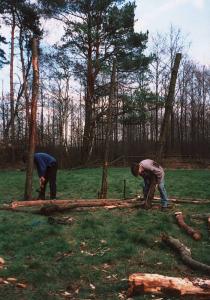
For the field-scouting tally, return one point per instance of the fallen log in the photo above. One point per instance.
(75, 202)
(187, 200)
(201, 216)
(76, 205)
(48, 210)
(9, 208)
(196, 235)
(140, 283)
(185, 254)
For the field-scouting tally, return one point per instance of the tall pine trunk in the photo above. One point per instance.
(168, 107)
(12, 139)
(32, 130)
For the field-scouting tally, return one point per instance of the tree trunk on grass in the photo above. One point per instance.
(168, 107)
(73, 202)
(185, 254)
(141, 283)
(196, 235)
(32, 135)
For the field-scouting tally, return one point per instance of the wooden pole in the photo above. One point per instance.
(150, 194)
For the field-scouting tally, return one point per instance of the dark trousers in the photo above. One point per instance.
(50, 176)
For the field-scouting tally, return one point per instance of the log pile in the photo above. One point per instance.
(196, 235)
(140, 283)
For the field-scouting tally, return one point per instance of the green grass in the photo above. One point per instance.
(101, 247)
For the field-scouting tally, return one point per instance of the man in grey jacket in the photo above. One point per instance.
(149, 169)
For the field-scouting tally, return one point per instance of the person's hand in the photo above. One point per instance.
(41, 181)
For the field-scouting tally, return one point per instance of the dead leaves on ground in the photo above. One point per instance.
(10, 280)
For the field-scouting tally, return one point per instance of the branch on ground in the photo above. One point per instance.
(185, 254)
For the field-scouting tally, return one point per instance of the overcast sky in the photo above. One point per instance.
(191, 16)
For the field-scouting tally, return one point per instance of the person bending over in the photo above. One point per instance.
(47, 171)
(149, 169)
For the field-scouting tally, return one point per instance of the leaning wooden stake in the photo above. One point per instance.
(196, 235)
(141, 283)
(150, 194)
(185, 254)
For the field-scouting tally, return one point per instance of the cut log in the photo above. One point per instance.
(73, 202)
(196, 235)
(187, 200)
(185, 254)
(141, 283)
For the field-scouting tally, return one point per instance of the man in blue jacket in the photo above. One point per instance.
(47, 170)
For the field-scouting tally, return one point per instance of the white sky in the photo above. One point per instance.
(191, 16)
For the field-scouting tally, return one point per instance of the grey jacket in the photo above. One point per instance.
(153, 167)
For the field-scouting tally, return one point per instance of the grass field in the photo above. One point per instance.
(93, 257)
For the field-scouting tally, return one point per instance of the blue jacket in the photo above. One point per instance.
(43, 161)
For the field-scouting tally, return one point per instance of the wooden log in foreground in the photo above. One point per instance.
(196, 235)
(185, 254)
(73, 202)
(140, 283)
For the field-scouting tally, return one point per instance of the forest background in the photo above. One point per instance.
(76, 82)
